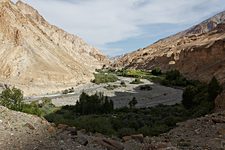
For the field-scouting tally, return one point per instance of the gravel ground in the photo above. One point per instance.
(122, 95)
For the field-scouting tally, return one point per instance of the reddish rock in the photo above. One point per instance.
(109, 144)
(51, 129)
(138, 137)
(126, 138)
(62, 126)
(30, 126)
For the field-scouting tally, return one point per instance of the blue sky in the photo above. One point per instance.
(120, 26)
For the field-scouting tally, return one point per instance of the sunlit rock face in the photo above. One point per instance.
(198, 52)
(38, 57)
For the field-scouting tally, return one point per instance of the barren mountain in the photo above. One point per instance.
(38, 57)
(198, 52)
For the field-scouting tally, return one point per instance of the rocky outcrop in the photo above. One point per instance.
(201, 133)
(23, 131)
(197, 52)
(220, 102)
(38, 57)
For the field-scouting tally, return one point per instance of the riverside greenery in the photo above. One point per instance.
(95, 113)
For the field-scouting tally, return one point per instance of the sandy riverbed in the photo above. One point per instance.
(122, 95)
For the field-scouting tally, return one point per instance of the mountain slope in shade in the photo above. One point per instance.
(198, 52)
(38, 57)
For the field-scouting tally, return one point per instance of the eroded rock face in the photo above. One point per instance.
(38, 57)
(198, 52)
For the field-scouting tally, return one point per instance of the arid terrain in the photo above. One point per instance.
(22, 131)
(41, 58)
(166, 96)
(121, 95)
(197, 52)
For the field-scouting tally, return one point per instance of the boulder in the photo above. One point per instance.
(82, 140)
(109, 144)
(30, 126)
(220, 102)
(138, 137)
(72, 130)
(62, 126)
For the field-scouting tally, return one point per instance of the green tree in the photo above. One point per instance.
(156, 72)
(133, 102)
(188, 96)
(12, 98)
(214, 89)
(95, 104)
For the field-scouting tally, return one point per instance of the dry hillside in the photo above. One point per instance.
(198, 52)
(38, 57)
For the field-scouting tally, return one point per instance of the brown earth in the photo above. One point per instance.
(21, 131)
(41, 58)
(198, 52)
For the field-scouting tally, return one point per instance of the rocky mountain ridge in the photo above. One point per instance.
(197, 52)
(40, 58)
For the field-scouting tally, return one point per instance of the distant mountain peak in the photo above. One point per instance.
(208, 25)
(197, 52)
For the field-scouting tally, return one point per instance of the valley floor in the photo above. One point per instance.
(121, 95)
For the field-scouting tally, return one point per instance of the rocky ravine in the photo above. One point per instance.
(25, 132)
(198, 52)
(38, 57)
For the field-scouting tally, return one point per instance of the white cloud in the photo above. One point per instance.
(104, 21)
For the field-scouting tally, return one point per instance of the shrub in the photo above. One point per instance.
(32, 109)
(133, 102)
(71, 90)
(174, 78)
(156, 72)
(104, 78)
(136, 81)
(123, 84)
(145, 87)
(12, 99)
(65, 91)
(214, 89)
(94, 104)
(126, 132)
(188, 96)
(95, 124)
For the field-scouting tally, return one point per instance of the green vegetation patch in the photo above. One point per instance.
(95, 113)
(104, 78)
(132, 73)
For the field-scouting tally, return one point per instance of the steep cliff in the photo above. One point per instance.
(38, 57)
(198, 52)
